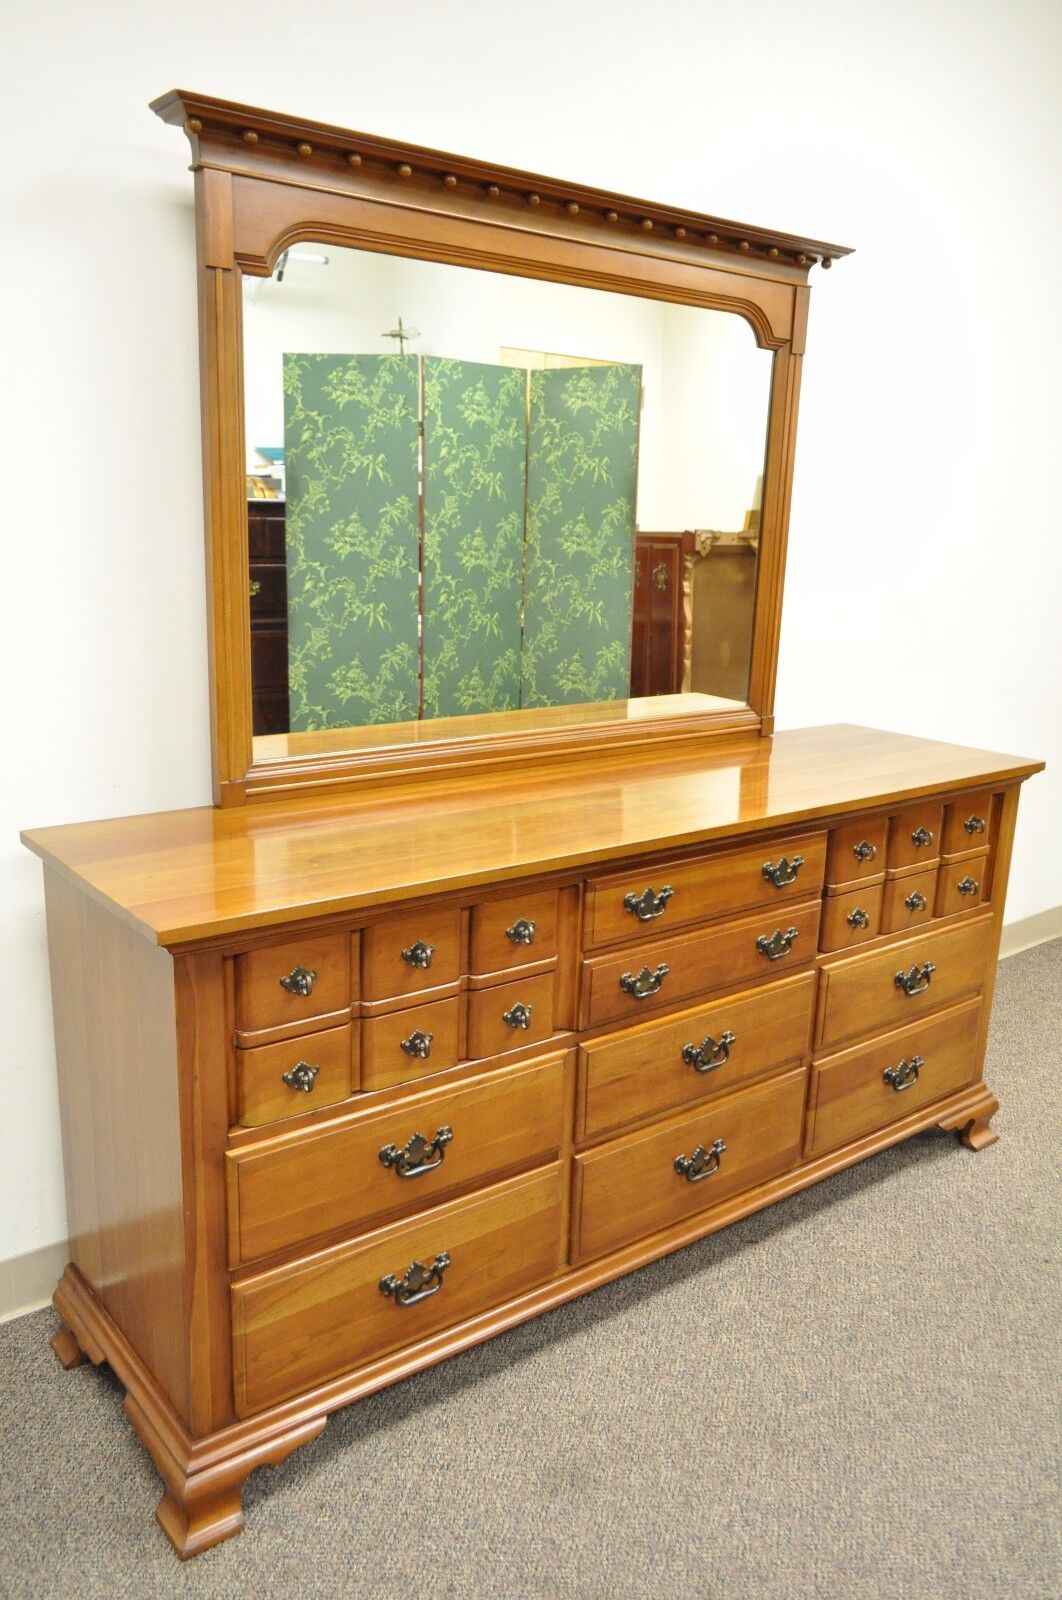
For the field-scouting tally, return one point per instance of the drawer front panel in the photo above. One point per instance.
(302, 1325)
(514, 932)
(631, 1187)
(961, 885)
(321, 1067)
(404, 1045)
(857, 850)
(311, 1183)
(409, 953)
(509, 1016)
(644, 1072)
(281, 984)
(630, 904)
(968, 823)
(695, 962)
(861, 995)
(852, 917)
(851, 1095)
(914, 835)
(909, 901)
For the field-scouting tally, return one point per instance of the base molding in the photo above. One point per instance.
(1030, 931)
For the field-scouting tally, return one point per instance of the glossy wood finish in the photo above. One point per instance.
(330, 1056)
(383, 1060)
(961, 885)
(914, 835)
(512, 931)
(387, 973)
(909, 899)
(852, 916)
(492, 1032)
(262, 1001)
(857, 850)
(968, 824)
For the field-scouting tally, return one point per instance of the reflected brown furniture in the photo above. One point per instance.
(722, 585)
(267, 567)
(660, 630)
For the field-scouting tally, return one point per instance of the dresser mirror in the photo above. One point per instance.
(472, 493)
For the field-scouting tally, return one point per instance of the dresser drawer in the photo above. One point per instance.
(909, 900)
(280, 985)
(625, 905)
(406, 954)
(914, 834)
(320, 1180)
(851, 917)
(403, 1045)
(864, 1089)
(635, 1186)
(961, 885)
(857, 850)
(514, 932)
(297, 1326)
(968, 823)
(508, 1016)
(862, 995)
(655, 1067)
(664, 971)
(284, 1080)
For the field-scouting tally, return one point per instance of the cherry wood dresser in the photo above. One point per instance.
(351, 1084)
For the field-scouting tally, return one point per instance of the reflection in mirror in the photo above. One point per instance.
(474, 493)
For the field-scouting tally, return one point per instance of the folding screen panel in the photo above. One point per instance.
(353, 539)
(579, 561)
(475, 452)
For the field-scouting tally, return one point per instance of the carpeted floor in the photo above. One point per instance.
(854, 1394)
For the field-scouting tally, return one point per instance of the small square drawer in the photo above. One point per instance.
(281, 984)
(411, 952)
(914, 835)
(297, 1075)
(856, 851)
(401, 1045)
(961, 885)
(968, 823)
(909, 899)
(515, 931)
(851, 917)
(509, 1015)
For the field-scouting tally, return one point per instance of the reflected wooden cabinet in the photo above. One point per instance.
(268, 583)
(659, 640)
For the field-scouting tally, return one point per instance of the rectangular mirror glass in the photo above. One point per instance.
(472, 494)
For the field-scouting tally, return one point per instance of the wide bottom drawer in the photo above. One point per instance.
(664, 1174)
(301, 1325)
(861, 1090)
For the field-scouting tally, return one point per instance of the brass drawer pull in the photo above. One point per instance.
(522, 931)
(905, 1075)
(864, 850)
(974, 824)
(418, 1044)
(916, 901)
(660, 577)
(647, 906)
(858, 918)
(968, 885)
(419, 954)
(418, 1282)
(709, 1055)
(916, 981)
(416, 1157)
(518, 1016)
(300, 981)
(921, 836)
(302, 1076)
(702, 1163)
(645, 983)
(784, 873)
(254, 588)
(778, 945)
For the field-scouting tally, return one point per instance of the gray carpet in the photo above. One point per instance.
(851, 1395)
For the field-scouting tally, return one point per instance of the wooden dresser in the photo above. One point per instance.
(349, 1086)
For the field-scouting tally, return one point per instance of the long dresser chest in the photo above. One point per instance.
(350, 1085)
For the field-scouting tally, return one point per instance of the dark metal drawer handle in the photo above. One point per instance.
(864, 850)
(916, 901)
(418, 1044)
(518, 1016)
(968, 886)
(709, 1055)
(302, 1076)
(702, 1163)
(522, 931)
(917, 980)
(416, 1157)
(920, 837)
(419, 954)
(418, 1282)
(660, 576)
(300, 980)
(784, 873)
(647, 906)
(645, 983)
(778, 945)
(858, 918)
(905, 1074)
(974, 824)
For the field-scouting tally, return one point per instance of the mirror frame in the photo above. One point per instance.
(263, 182)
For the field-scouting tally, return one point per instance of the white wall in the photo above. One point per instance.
(923, 587)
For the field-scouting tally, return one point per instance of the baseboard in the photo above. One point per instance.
(27, 1282)
(1037, 929)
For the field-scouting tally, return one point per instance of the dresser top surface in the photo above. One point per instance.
(185, 876)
